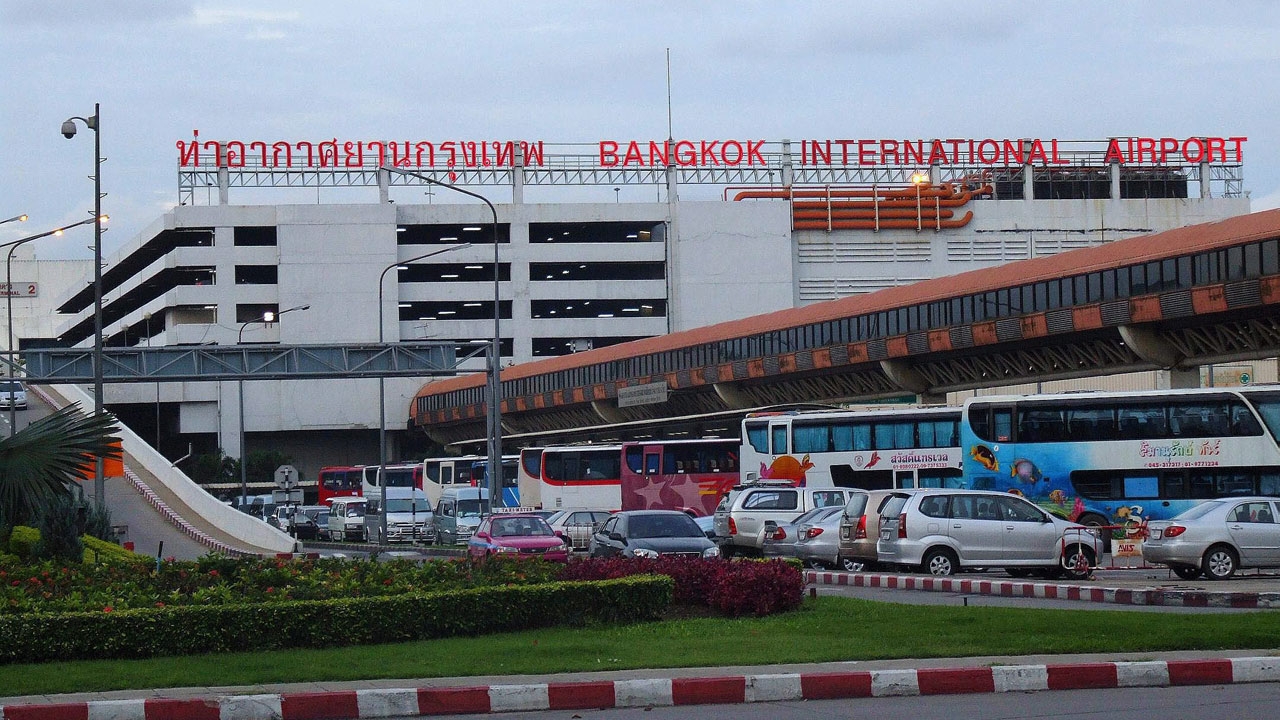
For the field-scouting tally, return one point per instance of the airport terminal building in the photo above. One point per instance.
(597, 244)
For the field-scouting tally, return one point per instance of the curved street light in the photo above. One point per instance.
(17, 218)
(94, 123)
(494, 420)
(8, 287)
(266, 319)
(382, 401)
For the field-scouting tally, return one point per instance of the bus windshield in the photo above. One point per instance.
(1268, 406)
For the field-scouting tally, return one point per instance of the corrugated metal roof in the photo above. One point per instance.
(1170, 243)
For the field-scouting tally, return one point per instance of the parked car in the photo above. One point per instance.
(13, 394)
(1217, 537)
(520, 535)
(744, 513)
(860, 528)
(818, 539)
(408, 517)
(346, 518)
(780, 538)
(708, 525)
(577, 525)
(650, 534)
(945, 531)
(458, 513)
(307, 522)
(280, 516)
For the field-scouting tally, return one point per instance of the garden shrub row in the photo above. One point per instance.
(153, 632)
(741, 587)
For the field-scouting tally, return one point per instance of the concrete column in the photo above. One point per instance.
(788, 168)
(935, 174)
(672, 191)
(1028, 173)
(1114, 169)
(517, 176)
(384, 186)
(1205, 192)
(1182, 379)
(224, 186)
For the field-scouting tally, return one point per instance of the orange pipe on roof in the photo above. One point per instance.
(944, 189)
(859, 213)
(894, 224)
(938, 201)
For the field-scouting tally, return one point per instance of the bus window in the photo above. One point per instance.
(758, 436)
(1141, 488)
(651, 463)
(779, 433)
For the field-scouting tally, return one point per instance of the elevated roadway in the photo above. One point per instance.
(157, 504)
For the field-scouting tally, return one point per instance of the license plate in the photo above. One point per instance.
(1156, 533)
(884, 534)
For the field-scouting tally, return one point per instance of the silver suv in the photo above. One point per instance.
(945, 531)
(749, 511)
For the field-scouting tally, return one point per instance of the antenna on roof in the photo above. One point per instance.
(670, 132)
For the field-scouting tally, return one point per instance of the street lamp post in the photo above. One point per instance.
(494, 421)
(94, 123)
(15, 218)
(382, 402)
(8, 284)
(266, 319)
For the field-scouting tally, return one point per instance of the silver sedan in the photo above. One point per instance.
(818, 543)
(1217, 538)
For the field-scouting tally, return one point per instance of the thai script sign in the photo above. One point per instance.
(720, 153)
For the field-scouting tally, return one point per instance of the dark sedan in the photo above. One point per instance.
(650, 534)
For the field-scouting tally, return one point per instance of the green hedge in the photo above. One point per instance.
(151, 632)
(23, 540)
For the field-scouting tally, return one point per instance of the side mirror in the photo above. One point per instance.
(616, 536)
(482, 536)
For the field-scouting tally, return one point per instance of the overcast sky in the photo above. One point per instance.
(586, 71)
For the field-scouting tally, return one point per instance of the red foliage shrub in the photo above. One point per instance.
(731, 588)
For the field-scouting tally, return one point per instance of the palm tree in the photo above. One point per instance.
(39, 463)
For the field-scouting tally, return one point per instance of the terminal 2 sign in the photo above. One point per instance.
(449, 154)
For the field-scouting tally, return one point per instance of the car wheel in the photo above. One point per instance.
(1077, 562)
(1186, 572)
(1018, 572)
(364, 534)
(851, 565)
(1219, 563)
(940, 562)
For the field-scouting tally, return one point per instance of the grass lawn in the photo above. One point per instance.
(826, 629)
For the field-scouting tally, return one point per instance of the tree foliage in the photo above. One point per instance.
(38, 463)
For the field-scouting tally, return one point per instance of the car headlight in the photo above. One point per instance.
(504, 549)
(711, 552)
(644, 553)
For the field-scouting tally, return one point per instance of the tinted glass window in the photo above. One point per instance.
(771, 500)
(935, 505)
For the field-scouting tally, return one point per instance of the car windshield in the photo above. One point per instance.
(473, 508)
(656, 526)
(1199, 510)
(521, 527)
(813, 515)
(556, 516)
(406, 505)
(10, 387)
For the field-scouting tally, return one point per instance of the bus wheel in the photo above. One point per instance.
(939, 562)
(1219, 563)
(1090, 520)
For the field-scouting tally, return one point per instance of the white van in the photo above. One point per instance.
(459, 512)
(346, 518)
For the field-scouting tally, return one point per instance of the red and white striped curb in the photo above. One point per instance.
(1049, 591)
(431, 701)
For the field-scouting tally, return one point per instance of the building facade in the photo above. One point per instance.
(580, 268)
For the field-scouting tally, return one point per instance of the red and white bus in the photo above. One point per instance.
(529, 477)
(686, 475)
(338, 481)
(581, 476)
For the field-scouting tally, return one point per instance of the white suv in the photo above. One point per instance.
(946, 531)
(749, 511)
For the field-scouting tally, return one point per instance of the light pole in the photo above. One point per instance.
(94, 123)
(15, 218)
(494, 420)
(8, 285)
(266, 319)
(382, 401)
